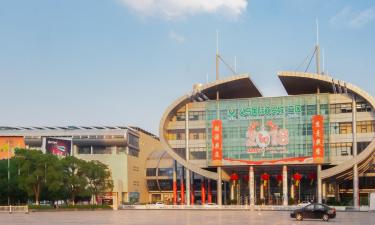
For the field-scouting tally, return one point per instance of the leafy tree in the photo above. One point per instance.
(15, 194)
(38, 171)
(74, 178)
(99, 177)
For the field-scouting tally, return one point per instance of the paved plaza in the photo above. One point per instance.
(175, 217)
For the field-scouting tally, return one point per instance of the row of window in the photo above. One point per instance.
(198, 134)
(310, 110)
(367, 126)
(347, 107)
(346, 148)
(193, 115)
(87, 150)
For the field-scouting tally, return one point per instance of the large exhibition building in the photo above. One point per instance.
(238, 147)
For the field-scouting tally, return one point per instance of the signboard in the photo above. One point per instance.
(267, 131)
(58, 146)
(217, 145)
(268, 139)
(8, 144)
(318, 138)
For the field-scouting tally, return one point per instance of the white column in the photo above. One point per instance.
(187, 154)
(285, 185)
(219, 191)
(232, 190)
(319, 182)
(251, 186)
(324, 191)
(355, 168)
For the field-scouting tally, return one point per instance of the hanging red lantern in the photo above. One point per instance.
(265, 177)
(279, 179)
(297, 178)
(245, 178)
(312, 177)
(234, 177)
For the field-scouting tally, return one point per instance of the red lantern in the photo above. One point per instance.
(312, 177)
(279, 179)
(245, 178)
(234, 177)
(297, 177)
(265, 177)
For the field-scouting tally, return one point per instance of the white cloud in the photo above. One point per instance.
(176, 37)
(170, 9)
(363, 18)
(341, 16)
(347, 17)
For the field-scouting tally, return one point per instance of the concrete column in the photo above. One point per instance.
(251, 186)
(324, 192)
(174, 182)
(203, 191)
(182, 191)
(187, 154)
(355, 168)
(209, 196)
(319, 182)
(219, 191)
(285, 185)
(232, 184)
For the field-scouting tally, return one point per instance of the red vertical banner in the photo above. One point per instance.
(216, 136)
(318, 138)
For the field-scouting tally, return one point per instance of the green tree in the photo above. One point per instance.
(99, 177)
(38, 171)
(74, 178)
(16, 195)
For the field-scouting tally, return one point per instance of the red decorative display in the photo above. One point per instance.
(217, 137)
(245, 178)
(265, 177)
(318, 138)
(312, 177)
(279, 179)
(297, 178)
(234, 177)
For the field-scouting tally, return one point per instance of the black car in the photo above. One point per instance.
(314, 211)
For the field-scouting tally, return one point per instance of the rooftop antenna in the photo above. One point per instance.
(323, 65)
(317, 53)
(217, 55)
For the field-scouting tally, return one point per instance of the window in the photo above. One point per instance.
(133, 140)
(366, 126)
(133, 151)
(150, 172)
(363, 107)
(345, 128)
(341, 108)
(197, 115)
(102, 150)
(152, 185)
(84, 149)
(165, 172)
(362, 146)
(342, 149)
(334, 127)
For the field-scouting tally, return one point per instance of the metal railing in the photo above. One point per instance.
(14, 209)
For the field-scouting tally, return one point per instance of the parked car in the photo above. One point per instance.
(159, 204)
(314, 211)
(210, 205)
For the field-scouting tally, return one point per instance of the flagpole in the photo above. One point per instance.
(8, 171)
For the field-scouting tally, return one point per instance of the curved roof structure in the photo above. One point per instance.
(296, 83)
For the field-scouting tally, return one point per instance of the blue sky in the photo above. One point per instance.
(122, 62)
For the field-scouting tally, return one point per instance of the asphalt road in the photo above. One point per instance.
(176, 217)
